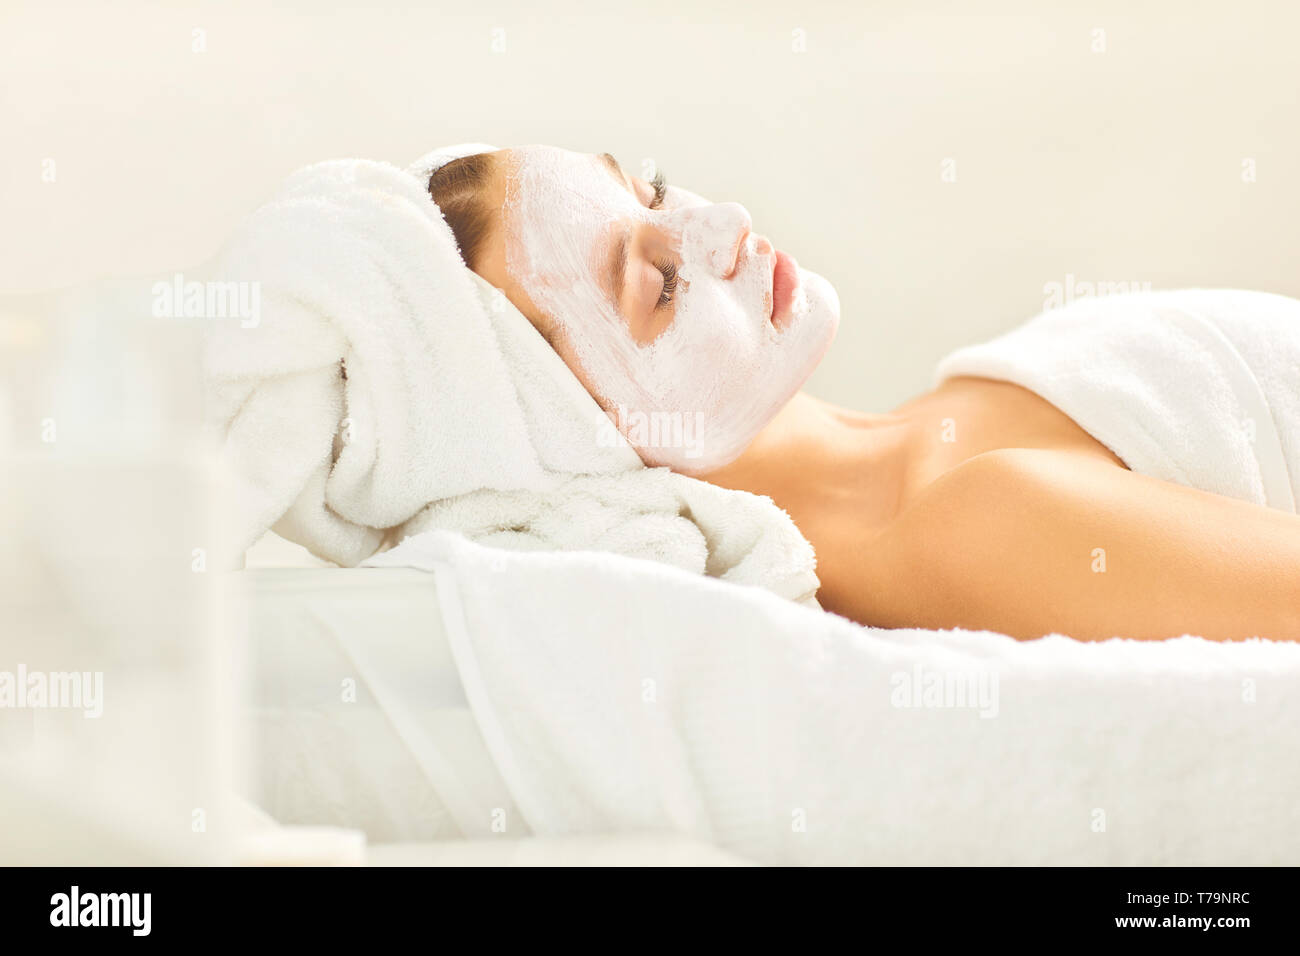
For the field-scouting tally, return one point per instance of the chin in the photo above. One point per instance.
(814, 326)
(798, 352)
(791, 357)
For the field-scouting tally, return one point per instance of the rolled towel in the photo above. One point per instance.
(386, 389)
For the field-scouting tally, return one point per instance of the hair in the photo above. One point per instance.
(460, 188)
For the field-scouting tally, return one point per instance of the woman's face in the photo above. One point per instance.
(688, 329)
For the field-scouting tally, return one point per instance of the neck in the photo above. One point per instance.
(814, 454)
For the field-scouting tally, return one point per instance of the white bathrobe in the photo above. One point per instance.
(1199, 387)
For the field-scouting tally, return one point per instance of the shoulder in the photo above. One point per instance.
(973, 543)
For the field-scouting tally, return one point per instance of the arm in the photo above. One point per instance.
(1029, 542)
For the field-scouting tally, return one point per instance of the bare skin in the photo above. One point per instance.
(1023, 524)
(981, 505)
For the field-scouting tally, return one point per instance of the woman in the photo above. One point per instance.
(665, 305)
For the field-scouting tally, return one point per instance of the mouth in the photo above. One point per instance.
(785, 280)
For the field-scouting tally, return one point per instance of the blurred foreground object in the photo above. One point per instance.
(117, 649)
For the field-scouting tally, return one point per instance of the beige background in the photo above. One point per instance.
(1117, 166)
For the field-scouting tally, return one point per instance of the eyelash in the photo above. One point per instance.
(669, 270)
(660, 186)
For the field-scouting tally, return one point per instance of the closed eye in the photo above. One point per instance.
(619, 258)
(667, 268)
(669, 271)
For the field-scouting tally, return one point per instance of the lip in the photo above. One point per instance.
(785, 280)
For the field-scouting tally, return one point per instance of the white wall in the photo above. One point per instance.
(1122, 165)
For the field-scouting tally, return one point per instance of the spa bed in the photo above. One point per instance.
(402, 702)
(402, 760)
(356, 715)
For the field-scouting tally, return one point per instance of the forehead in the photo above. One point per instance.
(549, 157)
(562, 211)
(538, 175)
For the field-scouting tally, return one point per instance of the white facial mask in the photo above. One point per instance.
(695, 397)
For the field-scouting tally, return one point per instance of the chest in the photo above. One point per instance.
(966, 417)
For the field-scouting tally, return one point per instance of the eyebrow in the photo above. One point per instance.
(616, 170)
(613, 166)
(618, 266)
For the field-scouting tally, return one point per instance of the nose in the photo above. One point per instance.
(712, 236)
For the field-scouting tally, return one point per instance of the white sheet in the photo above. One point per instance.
(621, 695)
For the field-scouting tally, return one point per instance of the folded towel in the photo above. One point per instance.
(1199, 387)
(620, 695)
(386, 390)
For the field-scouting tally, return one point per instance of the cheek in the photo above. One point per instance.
(712, 341)
(732, 309)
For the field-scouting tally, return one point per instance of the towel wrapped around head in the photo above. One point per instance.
(386, 389)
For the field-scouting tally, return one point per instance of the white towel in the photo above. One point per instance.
(387, 390)
(620, 695)
(1199, 387)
